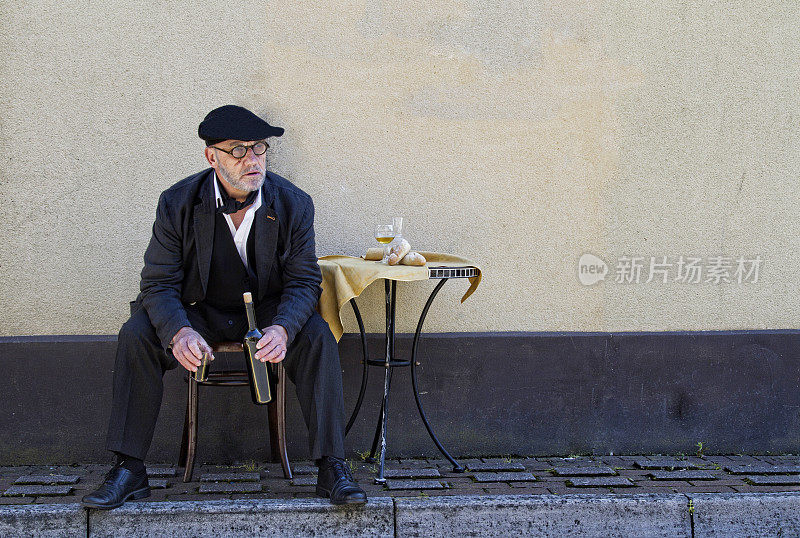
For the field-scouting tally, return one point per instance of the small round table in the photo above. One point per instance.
(389, 362)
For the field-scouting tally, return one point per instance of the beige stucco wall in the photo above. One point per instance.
(521, 134)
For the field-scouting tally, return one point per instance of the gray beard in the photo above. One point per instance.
(238, 183)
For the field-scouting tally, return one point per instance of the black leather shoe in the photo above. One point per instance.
(337, 484)
(119, 485)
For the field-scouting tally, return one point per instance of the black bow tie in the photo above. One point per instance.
(230, 205)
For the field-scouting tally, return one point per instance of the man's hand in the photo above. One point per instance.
(188, 347)
(272, 346)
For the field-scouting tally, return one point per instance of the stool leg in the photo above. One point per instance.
(277, 422)
(272, 409)
(281, 397)
(185, 436)
(191, 444)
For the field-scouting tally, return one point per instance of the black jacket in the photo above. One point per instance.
(178, 258)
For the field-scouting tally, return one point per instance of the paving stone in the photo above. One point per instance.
(465, 462)
(747, 488)
(415, 484)
(787, 459)
(157, 483)
(664, 483)
(639, 474)
(48, 479)
(745, 459)
(595, 470)
(412, 473)
(682, 475)
(495, 466)
(725, 480)
(17, 500)
(230, 477)
(37, 490)
(551, 478)
(503, 460)
(462, 481)
(773, 480)
(533, 464)
(590, 491)
(663, 463)
(191, 497)
(305, 469)
(523, 488)
(162, 472)
(639, 489)
(230, 487)
(600, 481)
(504, 477)
(710, 487)
(763, 469)
(304, 481)
(564, 462)
(501, 488)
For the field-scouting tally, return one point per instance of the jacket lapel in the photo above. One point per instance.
(266, 237)
(204, 216)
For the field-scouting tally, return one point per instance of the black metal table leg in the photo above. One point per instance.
(391, 300)
(456, 467)
(387, 358)
(365, 371)
(376, 438)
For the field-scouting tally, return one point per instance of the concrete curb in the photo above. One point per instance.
(257, 517)
(649, 515)
(746, 514)
(673, 515)
(43, 520)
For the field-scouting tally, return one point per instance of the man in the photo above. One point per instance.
(231, 228)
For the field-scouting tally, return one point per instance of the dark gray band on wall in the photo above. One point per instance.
(484, 393)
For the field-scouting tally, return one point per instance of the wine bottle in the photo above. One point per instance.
(256, 370)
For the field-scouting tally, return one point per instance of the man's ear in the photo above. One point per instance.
(211, 157)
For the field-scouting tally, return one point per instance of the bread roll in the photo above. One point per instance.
(413, 258)
(398, 250)
(375, 253)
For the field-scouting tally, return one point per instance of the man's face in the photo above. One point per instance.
(246, 174)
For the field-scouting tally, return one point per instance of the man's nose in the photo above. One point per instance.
(250, 156)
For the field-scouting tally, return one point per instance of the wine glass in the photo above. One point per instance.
(384, 233)
(202, 371)
(397, 226)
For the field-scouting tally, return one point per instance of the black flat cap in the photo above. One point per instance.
(231, 122)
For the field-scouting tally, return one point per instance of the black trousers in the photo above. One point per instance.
(311, 363)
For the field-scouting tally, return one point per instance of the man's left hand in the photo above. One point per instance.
(272, 346)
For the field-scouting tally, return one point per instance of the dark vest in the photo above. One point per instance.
(228, 278)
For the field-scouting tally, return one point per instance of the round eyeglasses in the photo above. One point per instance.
(238, 152)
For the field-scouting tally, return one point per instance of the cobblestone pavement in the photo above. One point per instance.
(429, 477)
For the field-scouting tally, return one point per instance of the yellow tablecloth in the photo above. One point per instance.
(345, 277)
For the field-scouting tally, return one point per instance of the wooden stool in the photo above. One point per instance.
(276, 408)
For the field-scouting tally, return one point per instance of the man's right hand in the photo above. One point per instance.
(188, 347)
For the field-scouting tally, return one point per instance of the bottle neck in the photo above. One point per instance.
(251, 315)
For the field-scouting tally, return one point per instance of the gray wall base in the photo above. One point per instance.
(485, 394)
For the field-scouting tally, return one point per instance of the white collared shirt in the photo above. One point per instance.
(239, 235)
